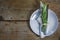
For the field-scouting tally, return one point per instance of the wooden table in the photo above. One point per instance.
(14, 19)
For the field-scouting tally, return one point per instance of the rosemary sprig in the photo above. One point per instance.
(44, 16)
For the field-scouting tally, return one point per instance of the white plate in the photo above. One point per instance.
(51, 26)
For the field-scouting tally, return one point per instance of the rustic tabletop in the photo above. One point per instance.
(14, 19)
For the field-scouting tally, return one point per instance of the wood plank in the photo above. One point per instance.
(21, 10)
(15, 31)
(21, 31)
(16, 9)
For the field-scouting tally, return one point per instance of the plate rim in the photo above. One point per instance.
(34, 13)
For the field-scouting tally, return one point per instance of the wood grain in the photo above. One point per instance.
(21, 10)
(14, 19)
(21, 31)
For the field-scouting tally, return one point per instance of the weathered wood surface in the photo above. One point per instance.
(21, 31)
(15, 15)
(21, 10)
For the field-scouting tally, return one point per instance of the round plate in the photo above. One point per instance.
(52, 22)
